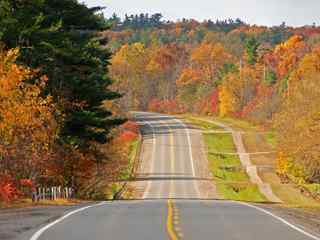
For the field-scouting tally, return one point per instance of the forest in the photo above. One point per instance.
(69, 76)
(57, 124)
(266, 75)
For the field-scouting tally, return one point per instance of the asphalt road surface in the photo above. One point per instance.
(173, 204)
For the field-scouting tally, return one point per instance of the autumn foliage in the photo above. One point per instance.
(27, 127)
(228, 69)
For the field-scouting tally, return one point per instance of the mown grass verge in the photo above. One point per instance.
(202, 124)
(231, 179)
(256, 138)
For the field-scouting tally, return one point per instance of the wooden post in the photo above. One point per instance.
(59, 192)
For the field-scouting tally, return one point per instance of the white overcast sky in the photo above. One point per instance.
(261, 12)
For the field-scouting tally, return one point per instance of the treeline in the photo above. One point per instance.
(266, 75)
(56, 120)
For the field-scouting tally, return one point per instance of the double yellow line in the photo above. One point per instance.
(172, 222)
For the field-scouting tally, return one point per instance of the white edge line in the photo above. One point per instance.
(42, 230)
(190, 153)
(281, 220)
(146, 192)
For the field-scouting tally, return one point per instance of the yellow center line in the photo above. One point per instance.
(170, 227)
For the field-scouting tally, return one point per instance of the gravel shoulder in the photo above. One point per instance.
(306, 218)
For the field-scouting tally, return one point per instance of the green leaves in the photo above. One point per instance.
(251, 49)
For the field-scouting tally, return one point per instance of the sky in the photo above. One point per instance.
(260, 12)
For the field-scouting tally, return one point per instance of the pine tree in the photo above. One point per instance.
(61, 38)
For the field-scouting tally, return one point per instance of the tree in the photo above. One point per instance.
(288, 54)
(229, 95)
(298, 122)
(28, 129)
(60, 39)
(129, 71)
(252, 46)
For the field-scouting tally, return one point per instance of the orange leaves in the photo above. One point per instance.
(164, 58)
(27, 126)
(189, 76)
(289, 53)
(210, 57)
(165, 106)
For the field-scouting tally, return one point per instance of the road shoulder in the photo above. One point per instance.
(20, 223)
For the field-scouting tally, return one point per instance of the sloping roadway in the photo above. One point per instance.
(174, 204)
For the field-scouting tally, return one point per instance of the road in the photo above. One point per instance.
(170, 158)
(175, 203)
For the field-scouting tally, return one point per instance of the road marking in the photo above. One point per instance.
(154, 142)
(172, 161)
(45, 228)
(281, 220)
(190, 154)
(170, 227)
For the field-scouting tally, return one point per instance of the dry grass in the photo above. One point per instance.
(27, 202)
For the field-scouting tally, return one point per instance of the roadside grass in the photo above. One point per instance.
(271, 138)
(114, 188)
(231, 179)
(237, 123)
(256, 139)
(27, 202)
(288, 193)
(133, 148)
(198, 122)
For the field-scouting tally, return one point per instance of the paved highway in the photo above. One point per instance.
(177, 202)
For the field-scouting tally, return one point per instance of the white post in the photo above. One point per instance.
(55, 192)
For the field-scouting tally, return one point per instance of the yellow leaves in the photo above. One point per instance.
(282, 164)
(289, 53)
(153, 67)
(26, 117)
(298, 122)
(228, 99)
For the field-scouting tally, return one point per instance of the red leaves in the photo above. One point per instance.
(214, 101)
(26, 183)
(130, 126)
(128, 136)
(8, 191)
(165, 106)
(128, 132)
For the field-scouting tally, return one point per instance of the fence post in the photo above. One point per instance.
(52, 193)
(43, 194)
(59, 192)
(55, 193)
